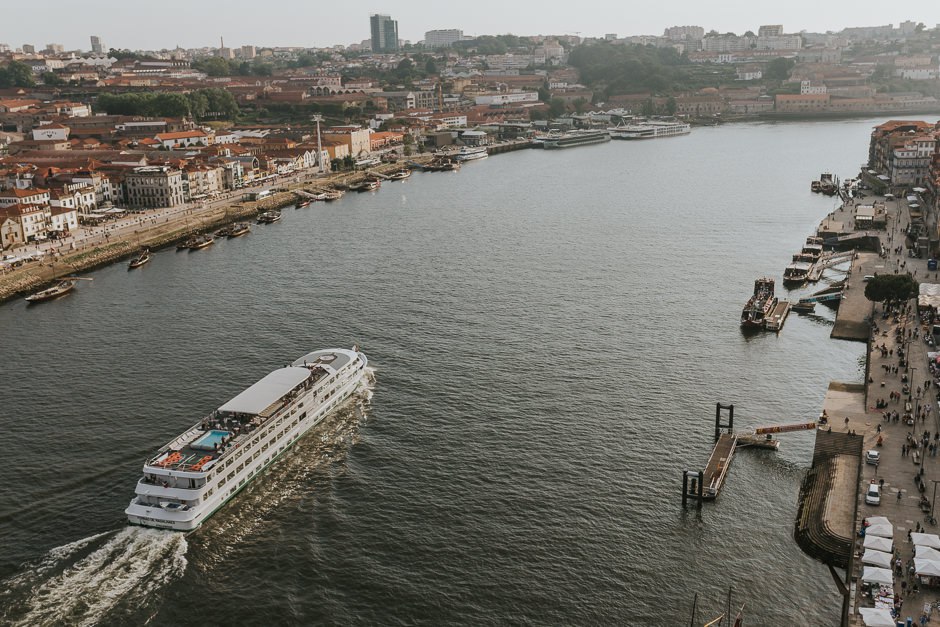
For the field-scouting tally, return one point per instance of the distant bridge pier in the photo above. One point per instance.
(718, 413)
(693, 485)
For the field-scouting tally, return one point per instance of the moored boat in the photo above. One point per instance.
(470, 153)
(242, 228)
(61, 288)
(367, 185)
(400, 175)
(651, 129)
(759, 305)
(335, 194)
(797, 272)
(139, 260)
(269, 217)
(200, 242)
(577, 138)
(190, 478)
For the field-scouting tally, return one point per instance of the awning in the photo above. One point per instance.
(926, 553)
(929, 295)
(872, 574)
(926, 567)
(884, 531)
(878, 558)
(926, 539)
(877, 520)
(267, 391)
(878, 544)
(876, 617)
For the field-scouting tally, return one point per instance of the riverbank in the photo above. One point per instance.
(124, 239)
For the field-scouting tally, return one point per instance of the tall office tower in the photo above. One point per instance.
(384, 33)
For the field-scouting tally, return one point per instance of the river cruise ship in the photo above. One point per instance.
(650, 130)
(576, 138)
(470, 153)
(190, 478)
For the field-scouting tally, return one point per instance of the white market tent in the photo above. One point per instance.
(877, 520)
(926, 539)
(878, 544)
(872, 574)
(929, 295)
(876, 617)
(926, 567)
(927, 553)
(882, 531)
(877, 558)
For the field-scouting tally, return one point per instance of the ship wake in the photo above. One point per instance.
(87, 581)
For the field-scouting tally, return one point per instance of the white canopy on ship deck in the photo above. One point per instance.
(873, 574)
(926, 539)
(926, 567)
(876, 617)
(267, 391)
(884, 531)
(878, 544)
(877, 558)
(927, 553)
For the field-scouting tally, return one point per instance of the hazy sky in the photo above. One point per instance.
(156, 24)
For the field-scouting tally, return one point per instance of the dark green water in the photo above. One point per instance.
(550, 332)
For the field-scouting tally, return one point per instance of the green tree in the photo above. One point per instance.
(580, 104)
(16, 74)
(556, 107)
(214, 66)
(671, 106)
(891, 288)
(262, 69)
(430, 67)
(779, 69)
(52, 79)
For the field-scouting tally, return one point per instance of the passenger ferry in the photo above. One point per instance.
(469, 153)
(199, 471)
(576, 138)
(650, 130)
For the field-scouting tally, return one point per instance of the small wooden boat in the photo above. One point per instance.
(269, 217)
(240, 229)
(139, 260)
(365, 186)
(201, 242)
(225, 231)
(63, 287)
(400, 175)
(183, 245)
(333, 195)
(305, 203)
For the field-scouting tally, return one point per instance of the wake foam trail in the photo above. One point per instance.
(80, 582)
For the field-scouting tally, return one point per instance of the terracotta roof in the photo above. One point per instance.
(23, 193)
(180, 135)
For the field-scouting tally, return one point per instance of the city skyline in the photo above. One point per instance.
(306, 26)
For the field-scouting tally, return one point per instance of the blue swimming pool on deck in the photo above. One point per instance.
(209, 440)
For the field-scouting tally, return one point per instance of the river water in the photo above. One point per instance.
(550, 331)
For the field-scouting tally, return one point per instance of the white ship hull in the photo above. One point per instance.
(180, 497)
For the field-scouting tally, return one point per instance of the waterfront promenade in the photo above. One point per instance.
(854, 409)
(94, 246)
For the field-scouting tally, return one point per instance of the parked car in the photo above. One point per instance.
(872, 457)
(873, 496)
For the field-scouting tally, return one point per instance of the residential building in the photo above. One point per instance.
(773, 30)
(183, 139)
(25, 223)
(18, 196)
(384, 33)
(888, 137)
(801, 103)
(154, 186)
(507, 98)
(97, 46)
(62, 220)
(248, 52)
(442, 38)
(810, 87)
(678, 33)
(404, 100)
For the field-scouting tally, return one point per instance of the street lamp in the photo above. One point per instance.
(933, 504)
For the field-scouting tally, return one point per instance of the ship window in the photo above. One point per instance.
(257, 455)
(221, 482)
(241, 483)
(238, 454)
(293, 424)
(209, 492)
(240, 468)
(256, 440)
(300, 405)
(231, 475)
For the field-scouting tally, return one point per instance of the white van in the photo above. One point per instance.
(873, 496)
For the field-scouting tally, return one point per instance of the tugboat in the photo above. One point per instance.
(759, 305)
(139, 260)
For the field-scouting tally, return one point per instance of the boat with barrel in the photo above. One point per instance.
(188, 479)
(239, 229)
(64, 286)
(759, 305)
(139, 260)
(201, 241)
